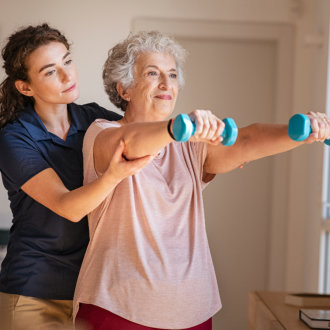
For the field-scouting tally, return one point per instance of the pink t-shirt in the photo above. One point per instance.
(148, 259)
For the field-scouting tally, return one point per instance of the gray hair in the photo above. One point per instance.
(119, 66)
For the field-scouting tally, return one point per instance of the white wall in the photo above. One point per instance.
(94, 26)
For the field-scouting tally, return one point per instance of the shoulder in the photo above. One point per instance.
(92, 111)
(12, 132)
(102, 123)
(23, 158)
(98, 126)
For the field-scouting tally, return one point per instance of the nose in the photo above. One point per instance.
(164, 82)
(65, 75)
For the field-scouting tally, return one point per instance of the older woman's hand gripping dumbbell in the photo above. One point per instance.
(300, 127)
(183, 128)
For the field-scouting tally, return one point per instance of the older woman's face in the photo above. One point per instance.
(155, 89)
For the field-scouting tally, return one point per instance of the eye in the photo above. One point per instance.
(50, 73)
(68, 62)
(173, 75)
(152, 73)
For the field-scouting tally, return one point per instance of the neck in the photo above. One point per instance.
(55, 118)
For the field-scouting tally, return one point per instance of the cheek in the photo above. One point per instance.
(143, 92)
(74, 72)
(176, 88)
(175, 92)
(42, 87)
(146, 93)
(50, 86)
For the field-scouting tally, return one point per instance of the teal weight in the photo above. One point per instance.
(300, 128)
(183, 128)
(230, 132)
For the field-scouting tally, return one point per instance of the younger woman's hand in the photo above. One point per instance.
(208, 127)
(121, 168)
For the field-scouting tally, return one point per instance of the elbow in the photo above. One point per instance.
(70, 215)
(74, 218)
(68, 209)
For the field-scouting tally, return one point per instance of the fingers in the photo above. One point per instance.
(134, 166)
(121, 168)
(208, 127)
(117, 155)
(320, 125)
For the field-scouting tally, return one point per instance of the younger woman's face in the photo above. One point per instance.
(52, 75)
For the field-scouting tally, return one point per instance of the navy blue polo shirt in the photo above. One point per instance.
(45, 250)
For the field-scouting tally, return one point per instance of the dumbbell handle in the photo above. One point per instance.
(183, 128)
(300, 128)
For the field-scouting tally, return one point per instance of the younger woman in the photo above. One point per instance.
(41, 134)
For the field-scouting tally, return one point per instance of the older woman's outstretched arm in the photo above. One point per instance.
(260, 140)
(148, 138)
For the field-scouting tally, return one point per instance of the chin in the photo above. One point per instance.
(168, 112)
(162, 115)
(73, 98)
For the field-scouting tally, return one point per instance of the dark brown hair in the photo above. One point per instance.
(19, 46)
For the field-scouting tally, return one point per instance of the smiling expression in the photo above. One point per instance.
(155, 89)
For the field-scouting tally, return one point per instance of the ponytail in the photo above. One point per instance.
(12, 102)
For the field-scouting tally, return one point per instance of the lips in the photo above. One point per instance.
(71, 88)
(164, 97)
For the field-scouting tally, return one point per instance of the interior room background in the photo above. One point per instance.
(252, 60)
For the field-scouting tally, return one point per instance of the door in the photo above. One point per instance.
(236, 71)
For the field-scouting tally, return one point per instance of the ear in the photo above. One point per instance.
(23, 87)
(123, 93)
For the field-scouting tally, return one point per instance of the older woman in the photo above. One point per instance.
(148, 264)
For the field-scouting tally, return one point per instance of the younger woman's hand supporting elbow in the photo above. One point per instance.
(120, 168)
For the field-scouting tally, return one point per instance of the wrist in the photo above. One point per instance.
(109, 180)
(170, 129)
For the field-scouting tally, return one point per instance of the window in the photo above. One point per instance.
(324, 283)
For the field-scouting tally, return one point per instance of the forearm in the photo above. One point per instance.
(75, 204)
(143, 139)
(48, 189)
(254, 142)
(262, 140)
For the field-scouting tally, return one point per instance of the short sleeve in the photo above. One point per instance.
(20, 159)
(88, 147)
(199, 150)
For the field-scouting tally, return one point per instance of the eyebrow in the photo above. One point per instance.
(156, 67)
(52, 64)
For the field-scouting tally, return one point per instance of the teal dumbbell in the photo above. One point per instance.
(300, 128)
(183, 128)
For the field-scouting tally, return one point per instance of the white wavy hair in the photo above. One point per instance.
(119, 66)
